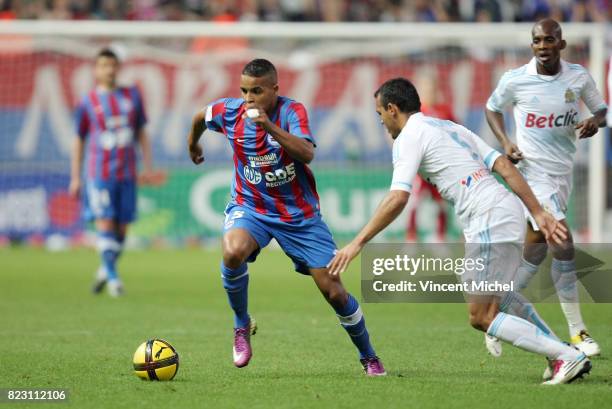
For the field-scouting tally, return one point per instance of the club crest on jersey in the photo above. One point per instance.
(273, 142)
(251, 175)
(570, 97)
(126, 104)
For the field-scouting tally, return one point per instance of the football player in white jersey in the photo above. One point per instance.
(459, 164)
(545, 94)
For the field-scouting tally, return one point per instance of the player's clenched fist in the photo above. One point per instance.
(75, 187)
(196, 153)
(513, 153)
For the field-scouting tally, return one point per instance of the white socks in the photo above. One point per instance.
(527, 336)
(514, 303)
(524, 274)
(563, 273)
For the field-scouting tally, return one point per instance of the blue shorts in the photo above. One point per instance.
(308, 243)
(110, 200)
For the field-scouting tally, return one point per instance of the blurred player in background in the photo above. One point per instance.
(431, 105)
(274, 196)
(545, 94)
(110, 122)
(459, 164)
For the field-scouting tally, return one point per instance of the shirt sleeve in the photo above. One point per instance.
(488, 154)
(297, 121)
(82, 121)
(214, 115)
(591, 96)
(141, 115)
(502, 95)
(407, 156)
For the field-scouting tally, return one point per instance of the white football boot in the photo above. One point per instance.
(494, 345)
(99, 280)
(569, 371)
(586, 344)
(115, 288)
(548, 372)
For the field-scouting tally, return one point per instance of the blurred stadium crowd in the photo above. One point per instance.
(310, 10)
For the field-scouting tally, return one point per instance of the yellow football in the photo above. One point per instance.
(156, 360)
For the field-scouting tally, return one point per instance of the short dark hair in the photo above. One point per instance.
(551, 24)
(107, 53)
(401, 92)
(258, 68)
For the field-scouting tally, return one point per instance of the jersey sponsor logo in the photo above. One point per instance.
(116, 121)
(120, 138)
(251, 175)
(474, 178)
(118, 133)
(569, 118)
(280, 176)
(263, 160)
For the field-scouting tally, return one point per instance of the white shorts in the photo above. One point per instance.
(552, 191)
(496, 238)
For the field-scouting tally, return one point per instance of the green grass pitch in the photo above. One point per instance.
(55, 334)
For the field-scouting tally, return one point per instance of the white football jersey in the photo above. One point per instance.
(546, 112)
(450, 157)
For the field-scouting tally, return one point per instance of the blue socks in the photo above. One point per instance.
(351, 318)
(109, 248)
(236, 284)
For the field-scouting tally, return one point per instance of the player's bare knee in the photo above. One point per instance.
(335, 294)
(535, 253)
(338, 297)
(564, 251)
(234, 254)
(536, 247)
(105, 225)
(477, 321)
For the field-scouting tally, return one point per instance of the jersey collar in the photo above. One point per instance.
(533, 70)
(411, 122)
(413, 119)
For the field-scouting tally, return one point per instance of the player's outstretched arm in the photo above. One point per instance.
(298, 148)
(145, 147)
(496, 123)
(198, 126)
(589, 126)
(388, 210)
(148, 176)
(552, 229)
(76, 163)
